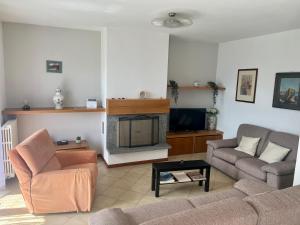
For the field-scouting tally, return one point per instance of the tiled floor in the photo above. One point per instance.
(119, 187)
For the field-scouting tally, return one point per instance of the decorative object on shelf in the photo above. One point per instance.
(54, 66)
(91, 103)
(287, 91)
(144, 94)
(246, 85)
(78, 140)
(58, 99)
(212, 118)
(174, 90)
(62, 142)
(26, 106)
(173, 20)
(215, 88)
(196, 83)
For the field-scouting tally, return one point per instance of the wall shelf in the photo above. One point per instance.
(200, 88)
(38, 111)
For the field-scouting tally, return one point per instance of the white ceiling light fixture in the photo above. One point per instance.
(173, 20)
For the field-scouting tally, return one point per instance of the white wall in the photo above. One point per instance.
(27, 47)
(270, 54)
(137, 60)
(191, 61)
(2, 104)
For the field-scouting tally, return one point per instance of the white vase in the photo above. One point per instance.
(58, 99)
(212, 122)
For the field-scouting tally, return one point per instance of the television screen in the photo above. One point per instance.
(187, 119)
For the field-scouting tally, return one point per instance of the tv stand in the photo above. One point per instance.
(189, 142)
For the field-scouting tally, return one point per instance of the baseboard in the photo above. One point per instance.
(131, 163)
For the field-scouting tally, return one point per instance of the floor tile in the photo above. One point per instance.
(125, 187)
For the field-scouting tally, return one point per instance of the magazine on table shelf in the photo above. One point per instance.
(166, 178)
(181, 177)
(195, 176)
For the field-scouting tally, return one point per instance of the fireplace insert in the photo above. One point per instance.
(138, 131)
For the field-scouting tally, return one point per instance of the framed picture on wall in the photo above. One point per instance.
(287, 91)
(54, 66)
(246, 85)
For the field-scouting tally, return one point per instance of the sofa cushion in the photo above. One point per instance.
(286, 140)
(230, 155)
(252, 187)
(232, 211)
(252, 166)
(91, 166)
(249, 130)
(112, 216)
(155, 210)
(37, 150)
(216, 196)
(248, 145)
(277, 207)
(52, 164)
(273, 153)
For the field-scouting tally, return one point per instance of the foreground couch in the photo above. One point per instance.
(248, 203)
(51, 181)
(222, 155)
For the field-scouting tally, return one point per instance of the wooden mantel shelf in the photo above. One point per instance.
(137, 106)
(37, 111)
(200, 88)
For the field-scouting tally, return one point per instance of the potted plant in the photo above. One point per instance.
(212, 118)
(174, 90)
(215, 88)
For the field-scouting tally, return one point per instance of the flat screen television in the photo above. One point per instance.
(187, 119)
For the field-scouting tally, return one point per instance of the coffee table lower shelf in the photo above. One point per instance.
(202, 166)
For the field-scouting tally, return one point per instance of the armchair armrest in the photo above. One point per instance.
(69, 157)
(113, 216)
(226, 143)
(280, 168)
(62, 191)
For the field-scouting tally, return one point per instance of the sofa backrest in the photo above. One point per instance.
(38, 152)
(286, 140)
(277, 207)
(249, 130)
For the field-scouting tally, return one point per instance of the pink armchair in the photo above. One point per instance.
(51, 181)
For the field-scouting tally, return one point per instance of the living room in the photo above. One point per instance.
(115, 78)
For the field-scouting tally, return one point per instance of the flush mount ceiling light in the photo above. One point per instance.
(173, 20)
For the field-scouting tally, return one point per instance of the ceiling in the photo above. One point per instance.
(214, 20)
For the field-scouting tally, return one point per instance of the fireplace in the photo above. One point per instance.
(138, 131)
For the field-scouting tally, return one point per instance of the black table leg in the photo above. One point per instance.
(201, 181)
(207, 175)
(157, 182)
(153, 180)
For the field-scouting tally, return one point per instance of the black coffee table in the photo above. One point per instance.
(200, 165)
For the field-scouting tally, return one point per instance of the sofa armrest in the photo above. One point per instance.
(280, 168)
(69, 157)
(113, 216)
(226, 143)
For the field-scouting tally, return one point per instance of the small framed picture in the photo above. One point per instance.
(287, 91)
(54, 66)
(246, 85)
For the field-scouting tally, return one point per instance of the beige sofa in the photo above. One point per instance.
(250, 202)
(238, 165)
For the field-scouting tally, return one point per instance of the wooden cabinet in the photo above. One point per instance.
(181, 145)
(191, 142)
